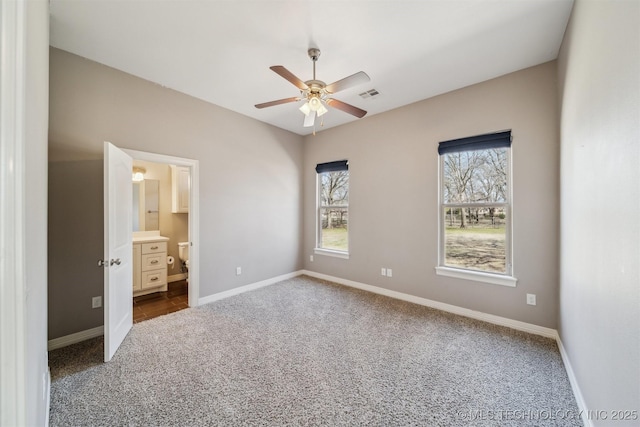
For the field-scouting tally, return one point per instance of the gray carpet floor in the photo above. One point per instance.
(305, 352)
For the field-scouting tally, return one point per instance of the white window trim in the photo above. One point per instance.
(322, 251)
(507, 279)
(332, 253)
(477, 276)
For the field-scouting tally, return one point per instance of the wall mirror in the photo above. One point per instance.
(146, 204)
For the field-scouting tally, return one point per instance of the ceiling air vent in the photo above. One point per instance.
(369, 94)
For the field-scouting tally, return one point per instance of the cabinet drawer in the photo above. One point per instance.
(153, 261)
(155, 247)
(154, 278)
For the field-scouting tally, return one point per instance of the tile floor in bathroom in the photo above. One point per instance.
(147, 307)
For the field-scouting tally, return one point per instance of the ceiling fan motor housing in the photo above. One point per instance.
(315, 87)
(314, 53)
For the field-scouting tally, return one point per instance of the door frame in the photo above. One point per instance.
(194, 213)
(13, 304)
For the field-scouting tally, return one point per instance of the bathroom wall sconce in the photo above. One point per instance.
(138, 174)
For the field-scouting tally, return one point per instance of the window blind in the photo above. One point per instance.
(478, 142)
(339, 165)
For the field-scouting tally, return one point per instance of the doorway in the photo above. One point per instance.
(118, 240)
(160, 239)
(178, 272)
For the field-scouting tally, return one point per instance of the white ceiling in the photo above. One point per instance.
(220, 50)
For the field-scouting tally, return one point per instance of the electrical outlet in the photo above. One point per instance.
(383, 271)
(311, 258)
(238, 271)
(531, 299)
(389, 272)
(96, 302)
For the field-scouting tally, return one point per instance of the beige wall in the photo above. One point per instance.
(393, 165)
(599, 74)
(76, 221)
(250, 172)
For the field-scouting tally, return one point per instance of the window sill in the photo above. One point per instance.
(328, 252)
(477, 276)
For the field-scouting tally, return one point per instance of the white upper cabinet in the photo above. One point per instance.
(180, 185)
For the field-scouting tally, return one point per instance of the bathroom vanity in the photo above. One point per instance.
(149, 263)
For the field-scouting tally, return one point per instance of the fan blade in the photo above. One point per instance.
(278, 102)
(309, 119)
(347, 108)
(288, 75)
(347, 82)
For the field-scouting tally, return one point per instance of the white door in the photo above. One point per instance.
(118, 272)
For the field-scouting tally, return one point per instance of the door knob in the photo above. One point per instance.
(115, 261)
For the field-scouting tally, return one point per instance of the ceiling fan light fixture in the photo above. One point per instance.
(314, 102)
(321, 110)
(306, 109)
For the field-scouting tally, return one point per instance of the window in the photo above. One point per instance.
(333, 208)
(475, 208)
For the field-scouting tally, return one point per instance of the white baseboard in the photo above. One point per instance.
(577, 393)
(490, 318)
(247, 288)
(176, 277)
(75, 338)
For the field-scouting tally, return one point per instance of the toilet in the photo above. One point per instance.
(183, 254)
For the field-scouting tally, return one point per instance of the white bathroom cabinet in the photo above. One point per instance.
(149, 267)
(180, 176)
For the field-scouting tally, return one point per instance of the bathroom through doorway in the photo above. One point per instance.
(166, 234)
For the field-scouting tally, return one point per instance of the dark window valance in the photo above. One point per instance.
(340, 165)
(478, 142)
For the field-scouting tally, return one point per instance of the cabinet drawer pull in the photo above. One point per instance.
(155, 261)
(154, 247)
(153, 279)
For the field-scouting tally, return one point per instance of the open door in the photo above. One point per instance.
(118, 272)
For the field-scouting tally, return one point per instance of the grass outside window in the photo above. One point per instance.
(336, 239)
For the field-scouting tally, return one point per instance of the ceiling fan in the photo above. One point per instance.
(317, 93)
